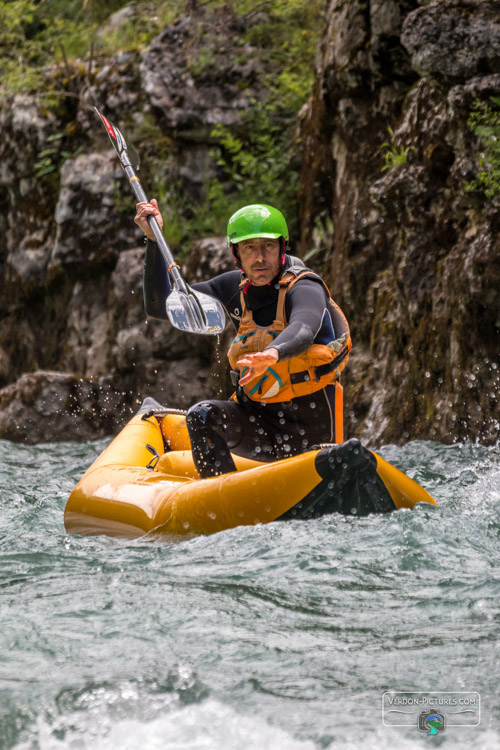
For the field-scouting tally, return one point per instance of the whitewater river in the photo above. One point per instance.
(278, 637)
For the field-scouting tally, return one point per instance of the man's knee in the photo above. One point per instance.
(205, 414)
(205, 425)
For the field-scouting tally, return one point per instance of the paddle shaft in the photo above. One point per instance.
(141, 196)
(186, 310)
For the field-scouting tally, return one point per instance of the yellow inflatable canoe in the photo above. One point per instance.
(145, 481)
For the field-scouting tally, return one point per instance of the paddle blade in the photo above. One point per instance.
(195, 312)
(126, 153)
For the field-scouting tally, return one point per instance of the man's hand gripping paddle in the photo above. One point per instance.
(186, 309)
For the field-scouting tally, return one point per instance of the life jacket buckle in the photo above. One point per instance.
(235, 376)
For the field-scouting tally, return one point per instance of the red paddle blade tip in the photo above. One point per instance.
(107, 125)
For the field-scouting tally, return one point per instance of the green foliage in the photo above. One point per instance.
(253, 167)
(34, 35)
(20, 53)
(287, 38)
(255, 162)
(137, 31)
(322, 238)
(394, 156)
(484, 122)
(51, 159)
(258, 160)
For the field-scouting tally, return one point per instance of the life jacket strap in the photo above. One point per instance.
(339, 412)
(318, 372)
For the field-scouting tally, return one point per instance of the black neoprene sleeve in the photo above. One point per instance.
(156, 284)
(305, 310)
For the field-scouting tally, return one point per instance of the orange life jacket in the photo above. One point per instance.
(304, 373)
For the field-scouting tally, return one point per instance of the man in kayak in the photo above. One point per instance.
(292, 342)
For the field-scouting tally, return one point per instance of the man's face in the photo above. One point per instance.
(260, 259)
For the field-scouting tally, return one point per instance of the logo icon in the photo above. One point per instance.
(431, 722)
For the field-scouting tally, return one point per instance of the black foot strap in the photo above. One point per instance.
(350, 484)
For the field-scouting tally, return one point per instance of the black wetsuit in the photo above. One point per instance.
(264, 432)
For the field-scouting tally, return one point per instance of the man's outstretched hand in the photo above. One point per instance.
(257, 364)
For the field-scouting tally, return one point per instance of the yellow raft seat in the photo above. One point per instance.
(145, 481)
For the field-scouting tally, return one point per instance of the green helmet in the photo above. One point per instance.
(256, 220)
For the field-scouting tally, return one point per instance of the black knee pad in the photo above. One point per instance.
(205, 416)
(198, 413)
(206, 431)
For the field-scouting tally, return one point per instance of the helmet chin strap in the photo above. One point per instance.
(234, 253)
(283, 251)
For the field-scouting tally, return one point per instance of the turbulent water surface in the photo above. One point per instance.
(279, 636)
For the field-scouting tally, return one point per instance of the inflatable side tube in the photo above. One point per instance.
(405, 492)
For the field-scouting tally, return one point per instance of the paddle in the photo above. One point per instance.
(186, 309)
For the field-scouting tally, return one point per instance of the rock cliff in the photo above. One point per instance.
(410, 254)
(413, 257)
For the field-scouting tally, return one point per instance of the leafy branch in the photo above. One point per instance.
(484, 122)
(394, 156)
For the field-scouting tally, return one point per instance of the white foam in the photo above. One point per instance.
(211, 725)
(203, 726)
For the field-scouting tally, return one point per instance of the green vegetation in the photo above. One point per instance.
(322, 239)
(34, 35)
(257, 165)
(38, 33)
(484, 122)
(258, 160)
(51, 159)
(56, 47)
(394, 156)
